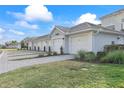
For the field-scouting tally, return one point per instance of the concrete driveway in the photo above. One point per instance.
(7, 65)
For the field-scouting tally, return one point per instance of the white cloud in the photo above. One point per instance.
(17, 15)
(26, 25)
(38, 12)
(2, 30)
(34, 12)
(16, 32)
(88, 17)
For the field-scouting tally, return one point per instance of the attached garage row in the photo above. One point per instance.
(80, 42)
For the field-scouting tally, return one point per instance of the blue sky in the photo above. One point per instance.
(18, 22)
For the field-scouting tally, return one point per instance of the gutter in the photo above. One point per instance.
(80, 31)
(100, 30)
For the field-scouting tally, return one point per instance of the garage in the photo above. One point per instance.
(57, 43)
(80, 42)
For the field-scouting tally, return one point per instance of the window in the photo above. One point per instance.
(122, 25)
(111, 27)
(57, 34)
(118, 37)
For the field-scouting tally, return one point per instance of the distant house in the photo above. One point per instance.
(85, 36)
(13, 45)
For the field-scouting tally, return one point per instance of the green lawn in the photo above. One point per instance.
(65, 74)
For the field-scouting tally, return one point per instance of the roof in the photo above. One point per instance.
(86, 26)
(28, 39)
(43, 37)
(113, 13)
(78, 27)
(83, 27)
(62, 28)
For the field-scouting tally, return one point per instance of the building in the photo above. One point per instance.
(10, 45)
(85, 36)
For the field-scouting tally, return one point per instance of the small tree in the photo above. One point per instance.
(49, 49)
(44, 49)
(3, 47)
(22, 45)
(61, 50)
(38, 48)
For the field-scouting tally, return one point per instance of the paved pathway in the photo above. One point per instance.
(6, 65)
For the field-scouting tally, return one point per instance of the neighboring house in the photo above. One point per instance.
(85, 36)
(28, 42)
(114, 20)
(13, 46)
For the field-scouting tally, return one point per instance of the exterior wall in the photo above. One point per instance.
(30, 45)
(18, 46)
(102, 39)
(34, 45)
(41, 44)
(57, 40)
(113, 20)
(89, 41)
(80, 41)
(38, 45)
(45, 44)
(66, 48)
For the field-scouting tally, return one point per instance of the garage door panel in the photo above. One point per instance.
(79, 43)
(57, 43)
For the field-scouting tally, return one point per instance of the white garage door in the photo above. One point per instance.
(57, 43)
(80, 43)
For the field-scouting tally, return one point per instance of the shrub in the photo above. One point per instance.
(80, 55)
(89, 56)
(49, 53)
(116, 57)
(100, 55)
(85, 56)
(55, 53)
